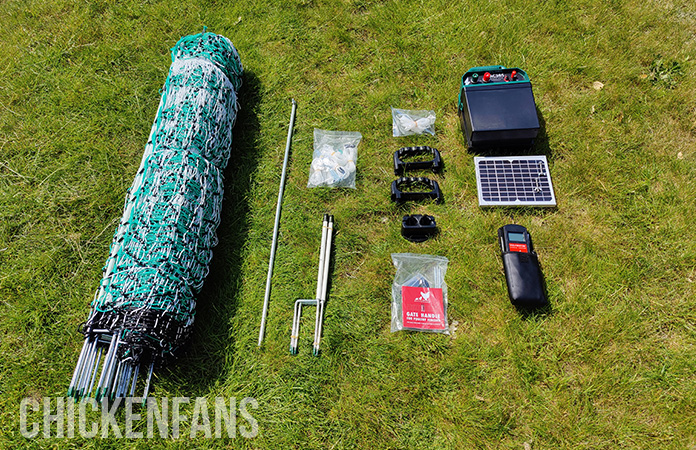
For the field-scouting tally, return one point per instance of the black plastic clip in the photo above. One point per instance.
(418, 227)
(400, 167)
(397, 195)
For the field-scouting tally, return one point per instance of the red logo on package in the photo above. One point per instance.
(423, 308)
(518, 247)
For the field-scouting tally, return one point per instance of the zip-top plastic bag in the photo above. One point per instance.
(419, 293)
(334, 158)
(407, 122)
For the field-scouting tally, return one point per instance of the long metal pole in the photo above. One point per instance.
(277, 223)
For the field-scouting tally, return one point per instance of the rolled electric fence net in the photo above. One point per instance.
(145, 305)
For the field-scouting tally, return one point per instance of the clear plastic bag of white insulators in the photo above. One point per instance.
(334, 159)
(407, 122)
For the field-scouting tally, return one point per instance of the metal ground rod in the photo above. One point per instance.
(135, 380)
(100, 351)
(78, 367)
(146, 391)
(86, 369)
(104, 378)
(274, 243)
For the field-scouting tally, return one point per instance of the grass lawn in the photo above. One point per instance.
(612, 365)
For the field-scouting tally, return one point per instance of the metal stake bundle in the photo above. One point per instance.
(322, 283)
(144, 308)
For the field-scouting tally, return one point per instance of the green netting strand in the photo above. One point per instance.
(163, 245)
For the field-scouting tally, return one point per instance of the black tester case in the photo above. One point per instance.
(525, 281)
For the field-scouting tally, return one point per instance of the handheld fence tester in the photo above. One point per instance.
(522, 271)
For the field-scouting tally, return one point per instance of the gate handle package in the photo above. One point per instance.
(419, 293)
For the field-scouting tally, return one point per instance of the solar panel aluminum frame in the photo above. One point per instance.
(537, 191)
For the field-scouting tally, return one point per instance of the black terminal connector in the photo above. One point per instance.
(418, 227)
(399, 196)
(400, 167)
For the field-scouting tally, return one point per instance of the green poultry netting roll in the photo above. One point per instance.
(145, 305)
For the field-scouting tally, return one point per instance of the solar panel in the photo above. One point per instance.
(514, 181)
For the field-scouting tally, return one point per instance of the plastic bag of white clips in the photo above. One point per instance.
(335, 155)
(419, 293)
(408, 122)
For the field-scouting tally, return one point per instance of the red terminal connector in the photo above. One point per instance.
(513, 75)
(486, 77)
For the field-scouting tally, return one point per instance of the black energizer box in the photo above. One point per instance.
(497, 109)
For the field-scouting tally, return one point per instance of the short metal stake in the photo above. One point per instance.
(322, 284)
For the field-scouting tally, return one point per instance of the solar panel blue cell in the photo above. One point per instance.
(514, 181)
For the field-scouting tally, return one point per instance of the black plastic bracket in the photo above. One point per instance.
(418, 227)
(400, 167)
(398, 196)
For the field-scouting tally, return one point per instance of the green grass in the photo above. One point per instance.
(612, 364)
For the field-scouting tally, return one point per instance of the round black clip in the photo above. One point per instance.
(418, 227)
